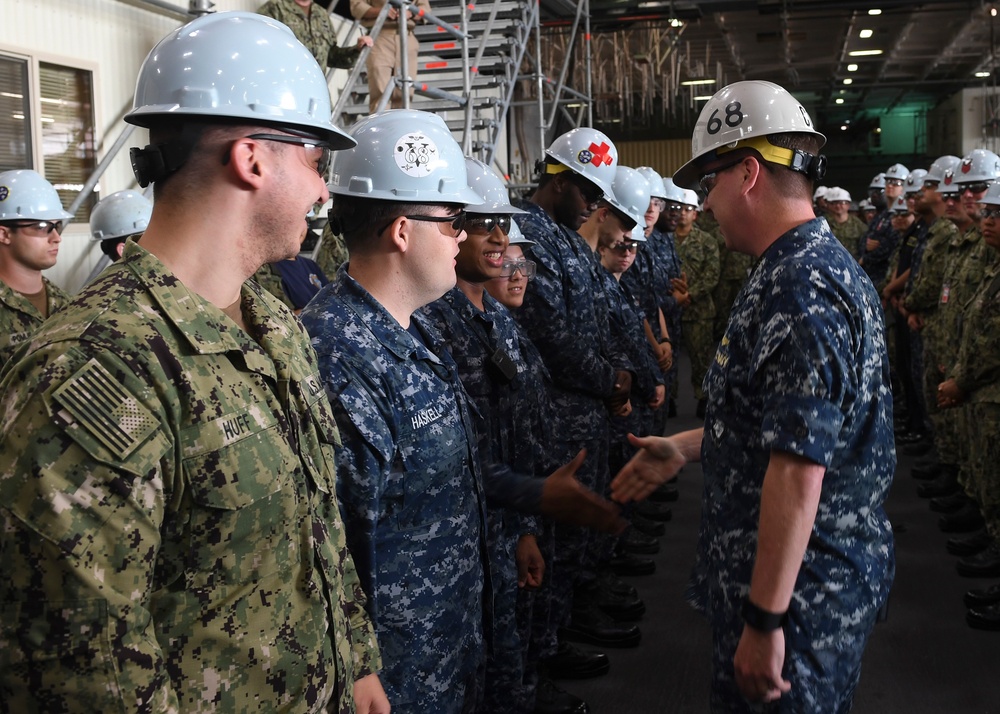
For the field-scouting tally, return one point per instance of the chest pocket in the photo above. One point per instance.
(239, 470)
(428, 482)
(318, 433)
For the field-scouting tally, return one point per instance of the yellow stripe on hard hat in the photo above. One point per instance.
(767, 150)
(555, 168)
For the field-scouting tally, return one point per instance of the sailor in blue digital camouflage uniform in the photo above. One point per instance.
(564, 314)
(170, 533)
(795, 554)
(410, 487)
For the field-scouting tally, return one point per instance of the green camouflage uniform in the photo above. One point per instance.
(699, 254)
(315, 32)
(170, 532)
(19, 318)
(977, 374)
(733, 271)
(967, 258)
(331, 253)
(849, 232)
(924, 299)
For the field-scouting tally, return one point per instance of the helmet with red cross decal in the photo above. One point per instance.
(587, 152)
(743, 115)
(977, 166)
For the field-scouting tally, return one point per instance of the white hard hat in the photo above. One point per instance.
(630, 194)
(941, 166)
(866, 205)
(914, 182)
(899, 205)
(675, 194)
(896, 171)
(122, 214)
(403, 155)
(25, 195)
(820, 192)
(690, 198)
(978, 165)
(490, 188)
(587, 152)
(515, 236)
(742, 115)
(236, 65)
(836, 193)
(656, 187)
(878, 182)
(992, 195)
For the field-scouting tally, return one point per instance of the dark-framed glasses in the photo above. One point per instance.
(486, 223)
(707, 181)
(893, 182)
(591, 192)
(39, 227)
(976, 187)
(624, 248)
(310, 144)
(990, 212)
(456, 220)
(525, 267)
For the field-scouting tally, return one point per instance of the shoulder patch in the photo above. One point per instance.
(106, 410)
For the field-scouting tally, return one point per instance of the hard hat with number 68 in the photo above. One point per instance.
(25, 195)
(122, 214)
(587, 152)
(630, 194)
(742, 115)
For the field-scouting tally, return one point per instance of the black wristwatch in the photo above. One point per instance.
(762, 620)
(666, 340)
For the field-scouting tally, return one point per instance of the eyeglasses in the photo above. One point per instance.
(591, 192)
(624, 248)
(457, 221)
(707, 182)
(487, 223)
(901, 214)
(322, 164)
(990, 213)
(977, 187)
(931, 184)
(659, 203)
(893, 182)
(526, 267)
(672, 207)
(40, 227)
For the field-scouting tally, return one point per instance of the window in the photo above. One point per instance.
(53, 134)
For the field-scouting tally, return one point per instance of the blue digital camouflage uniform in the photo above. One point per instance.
(648, 282)
(627, 332)
(802, 369)
(170, 533)
(565, 315)
(473, 337)
(19, 318)
(410, 492)
(876, 262)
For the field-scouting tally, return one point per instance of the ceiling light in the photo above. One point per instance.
(865, 34)
(848, 81)
(843, 127)
(864, 53)
(852, 68)
(982, 74)
(878, 130)
(703, 98)
(993, 12)
(11, 95)
(874, 11)
(839, 100)
(692, 82)
(674, 22)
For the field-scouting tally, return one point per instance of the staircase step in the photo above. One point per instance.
(480, 11)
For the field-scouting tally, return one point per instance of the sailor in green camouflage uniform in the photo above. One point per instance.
(311, 25)
(331, 252)
(31, 218)
(845, 227)
(171, 536)
(699, 254)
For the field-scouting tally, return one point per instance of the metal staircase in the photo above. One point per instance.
(467, 69)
